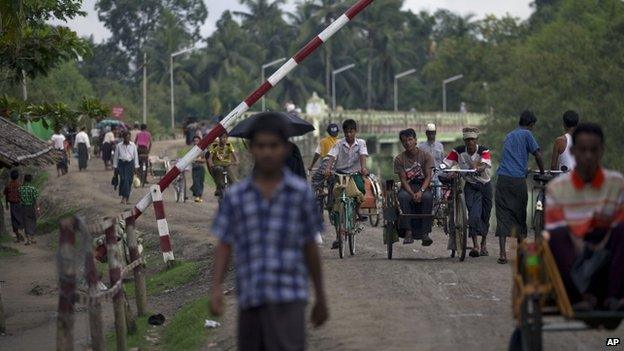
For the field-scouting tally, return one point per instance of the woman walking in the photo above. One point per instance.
(84, 147)
(125, 162)
(58, 142)
(28, 199)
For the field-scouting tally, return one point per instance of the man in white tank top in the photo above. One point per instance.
(562, 155)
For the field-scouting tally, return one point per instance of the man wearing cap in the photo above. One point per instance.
(325, 144)
(435, 149)
(322, 150)
(478, 188)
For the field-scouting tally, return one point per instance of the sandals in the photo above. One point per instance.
(502, 261)
(408, 241)
(484, 253)
(473, 253)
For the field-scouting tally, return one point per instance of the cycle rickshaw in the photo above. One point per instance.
(449, 209)
(539, 295)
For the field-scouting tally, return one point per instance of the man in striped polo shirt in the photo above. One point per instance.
(585, 221)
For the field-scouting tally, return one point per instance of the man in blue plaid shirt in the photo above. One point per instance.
(270, 220)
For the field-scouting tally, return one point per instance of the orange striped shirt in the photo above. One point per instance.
(583, 207)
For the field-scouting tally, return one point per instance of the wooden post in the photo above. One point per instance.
(2, 321)
(114, 270)
(67, 286)
(139, 271)
(96, 328)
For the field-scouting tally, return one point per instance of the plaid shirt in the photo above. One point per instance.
(268, 239)
(28, 195)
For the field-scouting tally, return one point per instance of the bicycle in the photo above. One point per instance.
(539, 201)
(226, 181)
(458, 213)
(344, 215)
(144, 165)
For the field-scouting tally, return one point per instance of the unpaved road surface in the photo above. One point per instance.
(420, 300)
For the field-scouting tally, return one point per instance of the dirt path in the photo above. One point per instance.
(421, 300)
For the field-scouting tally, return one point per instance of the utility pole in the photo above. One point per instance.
(171, 82)
(144, 87)
(334, 74)
(444, 83)
(396, 86)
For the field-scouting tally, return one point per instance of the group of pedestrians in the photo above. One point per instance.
(21, 200)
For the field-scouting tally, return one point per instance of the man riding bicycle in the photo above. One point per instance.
(221, 158)
(478, 188)
(414, 167)
(349, 157)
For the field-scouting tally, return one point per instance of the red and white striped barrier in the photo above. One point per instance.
(231, 119)
(161, 220)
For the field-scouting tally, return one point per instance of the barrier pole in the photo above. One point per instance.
(231, 119)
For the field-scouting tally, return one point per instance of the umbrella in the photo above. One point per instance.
(296, 125)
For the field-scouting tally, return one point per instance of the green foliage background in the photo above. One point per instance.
(569, 54)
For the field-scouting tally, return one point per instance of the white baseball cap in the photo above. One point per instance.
(431, 127)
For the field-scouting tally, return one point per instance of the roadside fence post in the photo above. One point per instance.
(67, 286)
(114, 269)
(98, 342)
(139, 271)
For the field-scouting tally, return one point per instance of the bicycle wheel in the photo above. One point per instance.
(389, 240)
(451, 229)
(531, 323)
(461, 225)
(340, 229)
(538, 223)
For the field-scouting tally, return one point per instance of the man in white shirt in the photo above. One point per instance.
(125, 163)
(436, 150)
(84, 148)
(58, 143)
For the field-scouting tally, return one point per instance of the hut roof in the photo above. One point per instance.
(19, 147)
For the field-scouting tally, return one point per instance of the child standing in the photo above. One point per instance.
(12, 197)
(28, 199)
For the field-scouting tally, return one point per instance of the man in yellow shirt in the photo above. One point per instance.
(325, 144)
(221, 157)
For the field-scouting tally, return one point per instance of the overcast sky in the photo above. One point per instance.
(90, 25)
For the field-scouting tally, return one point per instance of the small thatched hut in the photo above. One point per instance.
(20, 148)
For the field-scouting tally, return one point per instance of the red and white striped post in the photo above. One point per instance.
(231, 119)
(163, 227)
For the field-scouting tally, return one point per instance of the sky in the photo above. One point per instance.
(90, 25)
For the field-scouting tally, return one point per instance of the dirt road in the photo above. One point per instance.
(421, 300)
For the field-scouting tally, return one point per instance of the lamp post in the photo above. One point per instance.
(184, 51)
(265, 66)
(334, 73)
(444, 83)
(396, 86)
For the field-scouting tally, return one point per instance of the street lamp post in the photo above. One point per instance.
(444, 83)
(334, 73)
(396, 86)
(171, 82)
(265, 66)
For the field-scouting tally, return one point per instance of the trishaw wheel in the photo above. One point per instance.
(531, 319)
